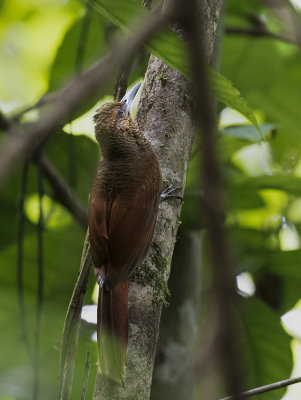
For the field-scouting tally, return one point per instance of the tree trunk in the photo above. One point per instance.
(165, 117)
(174, 372)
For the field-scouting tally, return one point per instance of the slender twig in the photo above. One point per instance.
(86, 377)
(40, 286)
(23, 141)
(63, 193)
(48, 98)
(20, 263)
(266, 388)
(122, 80)
(4, 122)
(78, 67)
(83, 37)
(147, 4)
(222, 271)
(72, 325)
(258, 33)
(289, 16)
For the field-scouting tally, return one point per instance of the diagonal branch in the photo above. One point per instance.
(222, 271)
(255, 32)
(72, 325)
(266, 388)
(289, 16)
(165, 117)
(20, 264)
(23, 140)
(62, 192)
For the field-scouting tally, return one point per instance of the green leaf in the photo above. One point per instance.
(266, 347)
(287, 183)
(61, 253)
(248, 133)
(284, 263)
(55, 216)
(64, 65)
(244, 8)
(164, 45)
(226, 93)
(253, 242)
(121, 13)
(63, 149)
(169, 48)
(273, 88)
(238, 199)
(16, 372)
(228, 145)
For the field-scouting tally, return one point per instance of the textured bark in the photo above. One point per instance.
(174, 372)
(165, 117)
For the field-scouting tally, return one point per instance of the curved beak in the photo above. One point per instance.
(129, 97)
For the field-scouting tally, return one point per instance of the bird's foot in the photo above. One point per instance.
(99, 276)
(168, 193)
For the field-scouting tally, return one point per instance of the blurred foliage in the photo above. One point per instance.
(43, 44)
(266, 346)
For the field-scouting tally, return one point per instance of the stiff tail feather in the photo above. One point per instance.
(112, 330)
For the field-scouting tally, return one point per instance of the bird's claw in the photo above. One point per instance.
(167, 193)
(100, 280)
(99, 276)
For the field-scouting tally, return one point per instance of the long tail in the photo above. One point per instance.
(112, 330)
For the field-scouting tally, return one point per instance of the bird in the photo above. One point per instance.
(123, 208)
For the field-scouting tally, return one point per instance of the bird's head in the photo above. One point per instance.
(115, 117)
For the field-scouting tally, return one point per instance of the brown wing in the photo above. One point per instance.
(98, 229)
(131, 226)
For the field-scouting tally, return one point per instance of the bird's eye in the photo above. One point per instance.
(120, 111)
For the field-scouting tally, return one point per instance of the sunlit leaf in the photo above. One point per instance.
(248, 132)
(54, 215)
(268, 74)
(266, 347)
(167, 46)
(28, 42)
(255, 159)
(72, 51)
(289, 238)
(226, 93)
(121, 13)
(284, 263)
(287, 183)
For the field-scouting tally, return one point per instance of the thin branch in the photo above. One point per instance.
(63, 192)
(266, 388)
(289, 16)
(258, 33)
(4, 122)
(23, 141)
(78, 68)
(48, 98)
(86, 377)
(20, 263)
(222, 271)
(122, 80)
(40, 286)
(147, 4)
(83, 37)
(72, 325)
